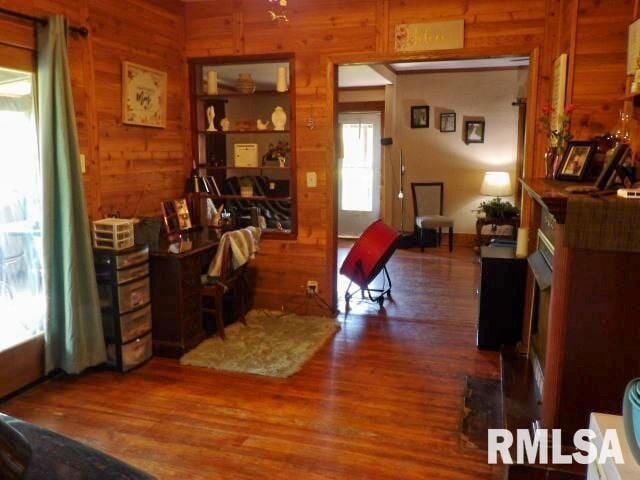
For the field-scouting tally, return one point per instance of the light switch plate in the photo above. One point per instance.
(83, 163)
(312, 179)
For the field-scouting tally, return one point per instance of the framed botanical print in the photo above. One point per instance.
(474, 131)
(144, 96)
(420, 117)
(448, 122)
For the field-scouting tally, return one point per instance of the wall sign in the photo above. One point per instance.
(411, 37)
(144, 96)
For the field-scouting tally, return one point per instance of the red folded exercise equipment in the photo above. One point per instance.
(367, 258)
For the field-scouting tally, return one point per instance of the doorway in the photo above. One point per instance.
(22, 296)
(359, 172)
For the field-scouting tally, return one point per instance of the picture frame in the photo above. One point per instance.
(176, 216)
(474, 131)
(613, 159)
(420, 116)
(448, 122)
(576, 160)
(144, 96)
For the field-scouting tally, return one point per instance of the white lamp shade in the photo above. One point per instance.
(496, 184)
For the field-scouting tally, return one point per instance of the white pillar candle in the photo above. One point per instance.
(282, 84)
(522, 249)
(212, 82)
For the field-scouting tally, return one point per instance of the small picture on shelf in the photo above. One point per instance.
(277, 155)
(576, 160)
(176, 216)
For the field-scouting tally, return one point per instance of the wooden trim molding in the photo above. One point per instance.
(27, 365)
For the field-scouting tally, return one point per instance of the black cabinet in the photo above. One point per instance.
(502, 289)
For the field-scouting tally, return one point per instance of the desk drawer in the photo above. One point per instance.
(132, 273)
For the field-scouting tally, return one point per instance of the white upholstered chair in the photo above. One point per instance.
(428, 208)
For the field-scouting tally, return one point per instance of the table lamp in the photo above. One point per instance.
(496, 184)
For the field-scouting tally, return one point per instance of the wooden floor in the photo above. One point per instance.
(383, 400)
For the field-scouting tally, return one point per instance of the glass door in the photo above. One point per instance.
(359, 173)
(22, 299)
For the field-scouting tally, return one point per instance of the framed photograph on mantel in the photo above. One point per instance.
(576, 160)
(144, 96)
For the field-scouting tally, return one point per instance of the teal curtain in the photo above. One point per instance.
(73, 334)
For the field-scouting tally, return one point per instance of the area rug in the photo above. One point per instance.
(482, 411)
(271, 344)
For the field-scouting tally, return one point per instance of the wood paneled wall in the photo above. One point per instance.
(130, 169)
(334, 30)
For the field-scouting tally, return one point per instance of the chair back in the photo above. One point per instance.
(428, 198)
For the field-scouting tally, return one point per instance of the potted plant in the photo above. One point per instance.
(277, 155)
(558, 138)
(497, 210)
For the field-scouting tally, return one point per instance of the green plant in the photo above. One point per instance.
(497, 209)
(281, 149)
(559, 137)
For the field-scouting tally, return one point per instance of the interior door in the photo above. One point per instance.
(359, 188)
(22, 298)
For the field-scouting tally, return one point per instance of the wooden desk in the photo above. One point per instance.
(176, 292)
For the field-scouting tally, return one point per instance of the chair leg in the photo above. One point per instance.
(220, 317)
(422, 240)
(450, 239)
(439, 237)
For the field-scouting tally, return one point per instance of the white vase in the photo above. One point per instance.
(282, 84)
(279, 119)
(212, 83)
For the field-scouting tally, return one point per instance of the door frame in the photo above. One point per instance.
(369, 58)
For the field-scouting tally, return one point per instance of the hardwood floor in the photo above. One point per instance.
(383, 400)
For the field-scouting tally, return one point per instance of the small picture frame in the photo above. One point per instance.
(448, 122)
(612, 161)
(144, 96)
(176, 216)
(576, 160)
(420, 116)
(474, 131)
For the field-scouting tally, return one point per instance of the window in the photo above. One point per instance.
(22, 299)
(358, 167)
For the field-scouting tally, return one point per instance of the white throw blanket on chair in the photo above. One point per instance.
(244, 245)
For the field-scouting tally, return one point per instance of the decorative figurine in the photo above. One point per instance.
(225, 124)
(211, 115)
(262, 125)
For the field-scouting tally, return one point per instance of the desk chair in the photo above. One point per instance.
(428, 207)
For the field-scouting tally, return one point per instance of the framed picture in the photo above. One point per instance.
(448, 122)
(144, 96)
(420, 117)
(474, 131)
(612, 161)
(176, 216)
(576, 160)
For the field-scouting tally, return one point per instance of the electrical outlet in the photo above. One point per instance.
(312, 287)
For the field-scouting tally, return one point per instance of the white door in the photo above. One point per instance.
(359, 177)
(22, 298)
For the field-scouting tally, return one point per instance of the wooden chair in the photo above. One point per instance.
(428, 207)
(230, 280)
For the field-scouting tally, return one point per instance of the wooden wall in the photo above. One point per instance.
(123, 162)
(128, 166)
(324, 30)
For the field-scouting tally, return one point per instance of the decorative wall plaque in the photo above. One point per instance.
(412, 37)
(144, 96)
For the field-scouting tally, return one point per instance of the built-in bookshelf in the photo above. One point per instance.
(234, 153)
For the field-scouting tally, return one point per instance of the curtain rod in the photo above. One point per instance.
(83, 31)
